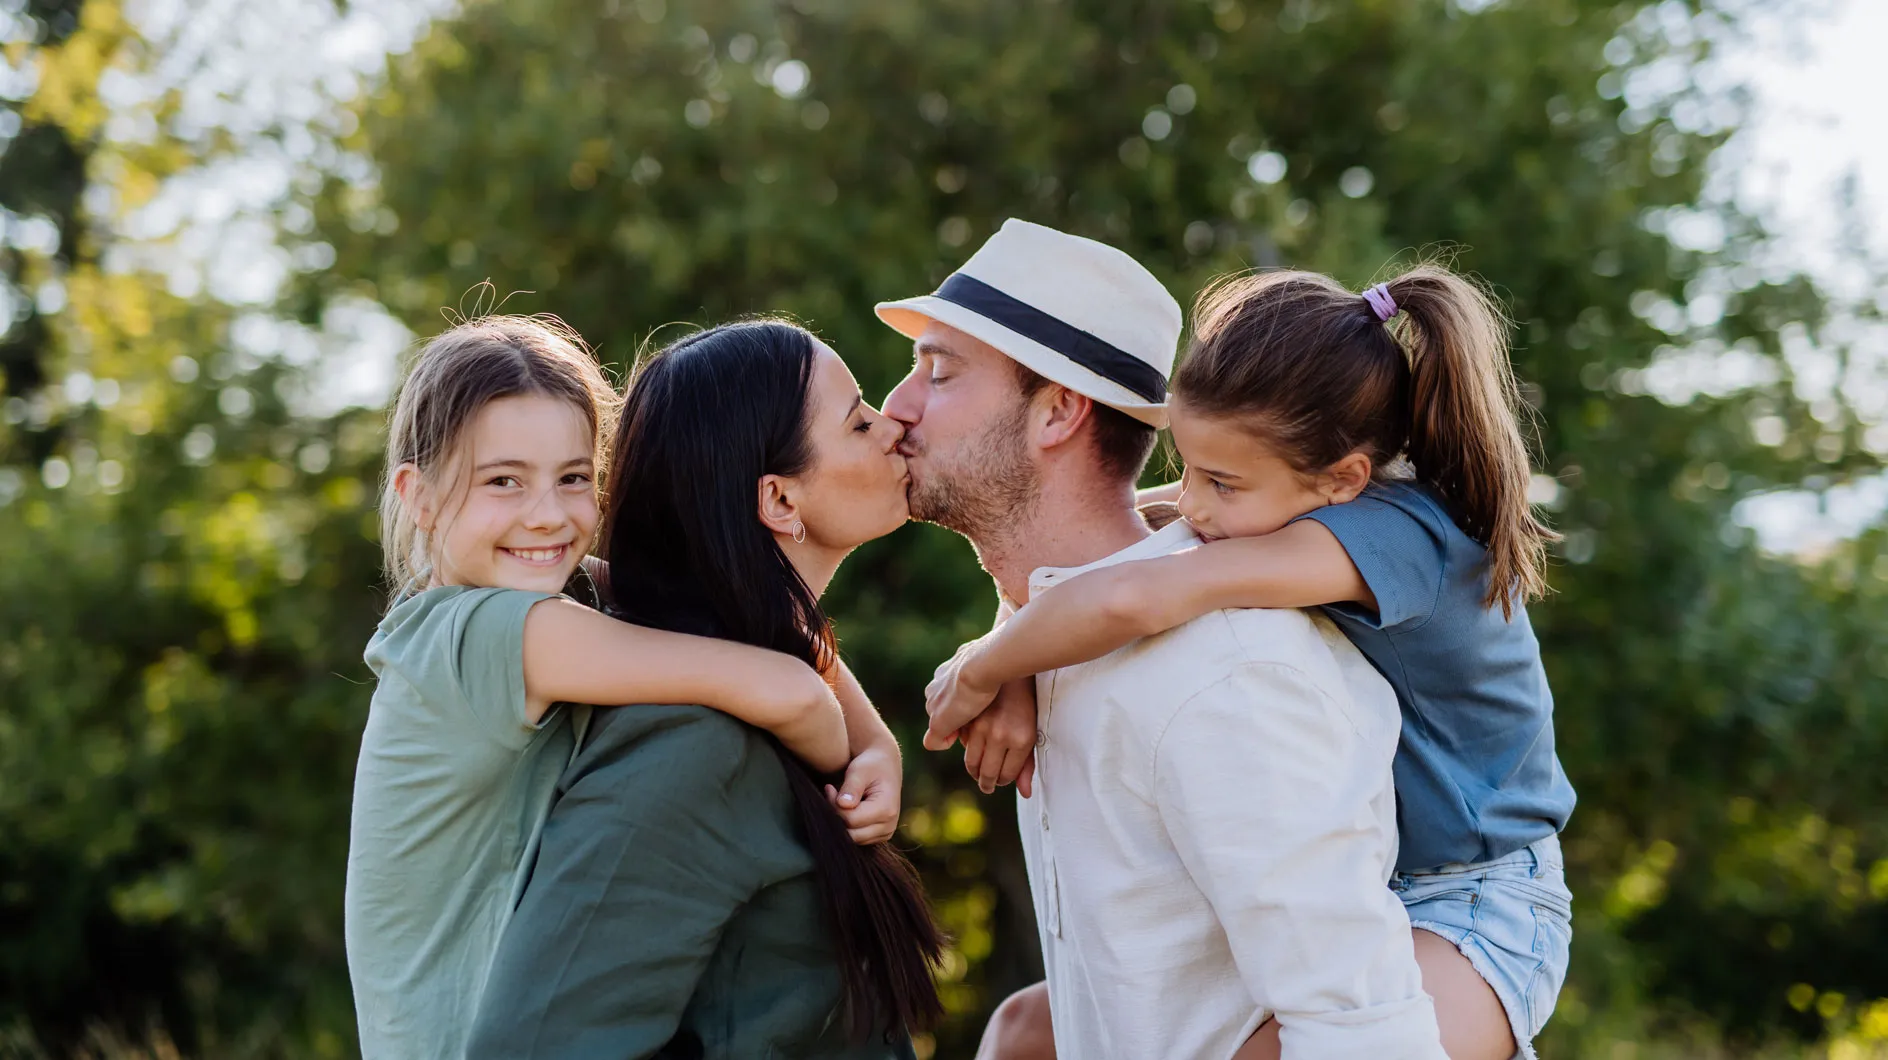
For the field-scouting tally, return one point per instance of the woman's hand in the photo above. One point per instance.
(955, 697)
(1000, 743)
(868, 799)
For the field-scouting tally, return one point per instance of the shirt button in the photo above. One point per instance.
(1042, 738)
(1045, 820)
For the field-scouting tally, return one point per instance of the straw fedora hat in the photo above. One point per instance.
(1076, 312)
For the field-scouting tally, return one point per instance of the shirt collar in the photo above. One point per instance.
(1172, 538)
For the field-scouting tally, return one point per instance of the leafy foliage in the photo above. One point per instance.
(180, 649)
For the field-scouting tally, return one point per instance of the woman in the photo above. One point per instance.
(695, 894)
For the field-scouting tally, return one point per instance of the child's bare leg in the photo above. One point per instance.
(1019, 1029)
(1473, 1023)
(1263, 1045)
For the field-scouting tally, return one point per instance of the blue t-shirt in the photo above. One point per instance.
(1476, 774)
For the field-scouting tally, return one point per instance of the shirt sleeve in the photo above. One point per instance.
(638, 874)
(1399, 557)
(1275, 805)
(487, 658)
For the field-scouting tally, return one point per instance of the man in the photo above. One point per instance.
(1212, 825)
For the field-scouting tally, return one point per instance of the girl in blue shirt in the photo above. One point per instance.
(1361, 454)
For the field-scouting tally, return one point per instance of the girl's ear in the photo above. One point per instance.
(415, 496)
(776, 508)
(1344, 480)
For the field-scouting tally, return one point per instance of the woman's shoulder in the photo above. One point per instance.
(673, 725)
(682, 747)
(695, 768)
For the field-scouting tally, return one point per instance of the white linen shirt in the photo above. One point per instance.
(1210, 841)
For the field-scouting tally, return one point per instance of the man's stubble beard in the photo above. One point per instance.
(991, 487)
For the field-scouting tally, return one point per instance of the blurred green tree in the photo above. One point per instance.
(169, 853)
(177, 542)
(690, 162)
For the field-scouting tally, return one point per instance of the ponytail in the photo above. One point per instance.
(1313, 368)
(1464, 424)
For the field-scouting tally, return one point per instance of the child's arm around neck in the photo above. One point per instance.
(573, 654)
(870, 795)
(1300, 565)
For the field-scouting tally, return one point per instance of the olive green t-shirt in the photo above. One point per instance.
(450, 796)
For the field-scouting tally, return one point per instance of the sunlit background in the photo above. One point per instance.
(222, 222)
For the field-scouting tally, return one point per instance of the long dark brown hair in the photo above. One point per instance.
(705, 418)
(1308, 366)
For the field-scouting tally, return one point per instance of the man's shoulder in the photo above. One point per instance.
(1221, 644)
(1245, 635)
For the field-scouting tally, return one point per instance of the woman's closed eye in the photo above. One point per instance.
(1220, 487)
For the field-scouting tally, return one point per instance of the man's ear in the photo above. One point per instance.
(776, 509)
(1058, 415)
(1343, 481)
(415, 496)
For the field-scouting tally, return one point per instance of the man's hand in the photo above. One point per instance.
(869, 797)
(953, 699)
(1000, 743)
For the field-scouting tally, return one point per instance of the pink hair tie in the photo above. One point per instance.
(1380, 302)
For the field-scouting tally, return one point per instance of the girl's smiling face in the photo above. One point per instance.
(1237, 485)
(516, 508)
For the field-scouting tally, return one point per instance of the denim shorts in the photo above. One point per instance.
(1512, 917)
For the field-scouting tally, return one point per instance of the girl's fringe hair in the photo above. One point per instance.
(454, 376)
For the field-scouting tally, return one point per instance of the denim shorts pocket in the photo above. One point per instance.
(1432, 893)
(1548, 894)
(1553, 938)
(1523, 931)
(1447, 911)
(1464, 873)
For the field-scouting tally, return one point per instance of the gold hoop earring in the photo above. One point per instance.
(799, 532)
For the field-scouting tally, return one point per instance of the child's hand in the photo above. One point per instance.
(868, 800)
(952, 699)
(1000, 743)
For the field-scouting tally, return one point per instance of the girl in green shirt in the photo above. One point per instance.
(490, 505)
